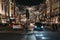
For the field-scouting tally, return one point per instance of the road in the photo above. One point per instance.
(47, 35)
(37, 35)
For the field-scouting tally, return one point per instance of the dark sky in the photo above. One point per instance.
(29, 2)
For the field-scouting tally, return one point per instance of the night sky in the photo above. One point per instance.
(29, 2)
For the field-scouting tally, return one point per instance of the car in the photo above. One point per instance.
(39, 27)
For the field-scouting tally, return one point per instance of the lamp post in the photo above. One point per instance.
(27, 22)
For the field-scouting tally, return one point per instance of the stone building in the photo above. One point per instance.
(50, 12)
(53, 10)
(8, 9)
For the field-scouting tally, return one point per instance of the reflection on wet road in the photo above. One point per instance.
(47, 35)
(35, 36)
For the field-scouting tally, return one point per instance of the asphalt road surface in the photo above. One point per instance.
(37, 35)
(47, 35)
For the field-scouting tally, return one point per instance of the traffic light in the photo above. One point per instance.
(27, 14)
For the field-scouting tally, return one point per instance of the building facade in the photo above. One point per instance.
(53, 10)
(8, 9)
(50, 13)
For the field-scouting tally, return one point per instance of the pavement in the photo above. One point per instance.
(36, 35)
(17, 35)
